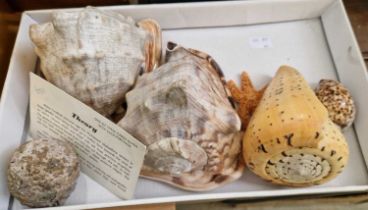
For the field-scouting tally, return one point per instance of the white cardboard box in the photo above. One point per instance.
(314, 36)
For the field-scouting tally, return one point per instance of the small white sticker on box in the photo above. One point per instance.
(260, 42)
(108, 154)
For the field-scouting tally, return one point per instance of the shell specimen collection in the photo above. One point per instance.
(182, 112)
(95, 56)
(290, 139)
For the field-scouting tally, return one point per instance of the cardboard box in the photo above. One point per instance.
(314, 36)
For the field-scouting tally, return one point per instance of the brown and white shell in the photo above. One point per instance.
(338, 101)
(94, 55)
(182, 112)
(43, 172)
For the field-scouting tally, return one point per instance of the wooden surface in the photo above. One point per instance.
(352, 202)
(8, 29)
(358, 14)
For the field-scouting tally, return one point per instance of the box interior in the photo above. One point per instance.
(304, 38)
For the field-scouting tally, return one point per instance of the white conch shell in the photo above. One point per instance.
(181, 111)
(93, 55)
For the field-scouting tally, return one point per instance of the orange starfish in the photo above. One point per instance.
(247, 98)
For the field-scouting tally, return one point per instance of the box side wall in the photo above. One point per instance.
(350, 66)
(215, 14)
(223, 196)
(14, 102)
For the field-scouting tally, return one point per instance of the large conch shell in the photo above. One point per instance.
(182, 112)
(290, 139)
(95, 55)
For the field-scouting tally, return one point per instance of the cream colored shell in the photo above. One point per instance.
(182, 113)
(93, 55)
(290, 139)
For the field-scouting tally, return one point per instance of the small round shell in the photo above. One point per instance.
(338, 101)
(43, 173)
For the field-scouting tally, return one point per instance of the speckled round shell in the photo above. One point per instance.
(181, 111)
(338, 101)
(42, 173)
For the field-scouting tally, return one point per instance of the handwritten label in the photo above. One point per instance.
(260, 42)
(108, 154)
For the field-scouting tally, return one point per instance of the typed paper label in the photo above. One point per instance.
(108, 154)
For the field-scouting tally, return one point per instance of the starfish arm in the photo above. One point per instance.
(246, 83)
(247, 97)
(236, 93)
